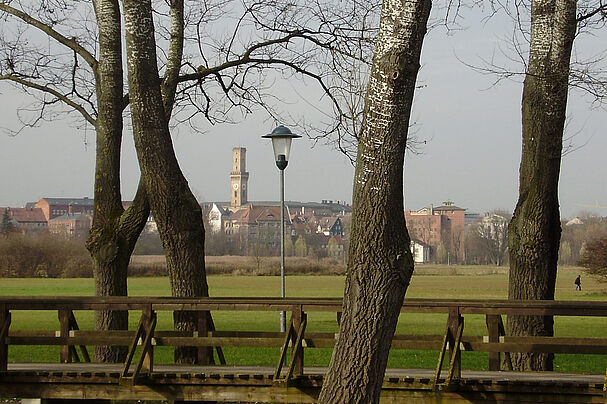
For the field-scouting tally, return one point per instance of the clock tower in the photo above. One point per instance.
(239, 177)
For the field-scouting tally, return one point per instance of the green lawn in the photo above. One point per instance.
(429, 282)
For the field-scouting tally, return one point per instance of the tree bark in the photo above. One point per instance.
(380, 263)
(535, 230)
(113, 232)
(177, 213)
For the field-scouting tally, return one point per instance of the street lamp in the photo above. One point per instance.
(281, 143)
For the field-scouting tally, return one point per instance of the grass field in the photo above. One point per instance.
(476, 282)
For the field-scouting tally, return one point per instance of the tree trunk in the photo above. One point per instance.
(380, 263)
(177, 213)
(114, 232)
(535, 230)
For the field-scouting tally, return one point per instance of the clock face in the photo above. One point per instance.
(235, 186)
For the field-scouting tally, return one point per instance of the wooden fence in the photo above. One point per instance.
(297, 338)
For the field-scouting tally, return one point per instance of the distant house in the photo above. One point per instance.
(574, 221)
(330, 226)
(444, 224)
(421, 251)
(71, 224)
(256, 227)
(26, 219)
(55, 207)
(216, 216)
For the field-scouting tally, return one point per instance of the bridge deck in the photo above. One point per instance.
(554, 377)
(250, 383)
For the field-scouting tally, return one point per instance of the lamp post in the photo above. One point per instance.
(281, 143)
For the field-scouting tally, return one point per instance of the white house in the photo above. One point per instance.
(217, 214)
(420, 251)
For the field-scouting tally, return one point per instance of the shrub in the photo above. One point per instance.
(43, 256)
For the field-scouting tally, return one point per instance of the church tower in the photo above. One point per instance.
(239, 178)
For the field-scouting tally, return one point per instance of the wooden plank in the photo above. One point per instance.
(132, 348)
(455, 362)
(74, 327)
(146, 359)
(492, 322)
(298, 317)
(296, 366)
(5, 322)
(283, 351)
(218, 341)
(64, 331)
(308, 304)
(456, 324)
(441, 358)
(204, 353)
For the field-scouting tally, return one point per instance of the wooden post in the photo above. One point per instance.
(64, 332)
(5, 321)
(297, 353)
(493, 321)
(454, 321)
(205, 353)
(148, 324)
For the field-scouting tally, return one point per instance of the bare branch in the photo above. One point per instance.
(45, 89)
(70, 43)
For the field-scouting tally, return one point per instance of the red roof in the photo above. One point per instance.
(25, 215)
(252, 214)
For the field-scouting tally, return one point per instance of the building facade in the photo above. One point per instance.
(55, 207)
(26, 219)
(441, 225)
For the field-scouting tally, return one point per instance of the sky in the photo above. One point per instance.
(472, 128)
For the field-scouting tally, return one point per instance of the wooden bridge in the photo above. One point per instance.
(75, 377)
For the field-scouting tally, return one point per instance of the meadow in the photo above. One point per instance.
(430, 281)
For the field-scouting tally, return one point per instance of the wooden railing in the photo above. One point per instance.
(454, 340)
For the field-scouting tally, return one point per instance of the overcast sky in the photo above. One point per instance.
(471, 158)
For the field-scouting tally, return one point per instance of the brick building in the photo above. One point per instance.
(55, 207)
(71, 224)
(256, 228)
(444, 224)
(26, 219)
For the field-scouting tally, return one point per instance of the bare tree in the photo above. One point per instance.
(548, 29)
(72, 63)
(489, 238)
(534, 231)
(594, 259)
(380, 263)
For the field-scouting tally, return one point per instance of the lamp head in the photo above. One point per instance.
(281, 143)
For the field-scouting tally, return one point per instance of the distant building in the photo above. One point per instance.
(217, 215)
(26, 219)
(55, 207)
(71, 224)
(256, 225)
(421, 251)
(239, 178)
(574, 221)
(444, 224)
(330, 226)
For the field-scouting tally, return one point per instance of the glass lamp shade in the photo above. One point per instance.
(281, 143)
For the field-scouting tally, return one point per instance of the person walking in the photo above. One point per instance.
(578, 283)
